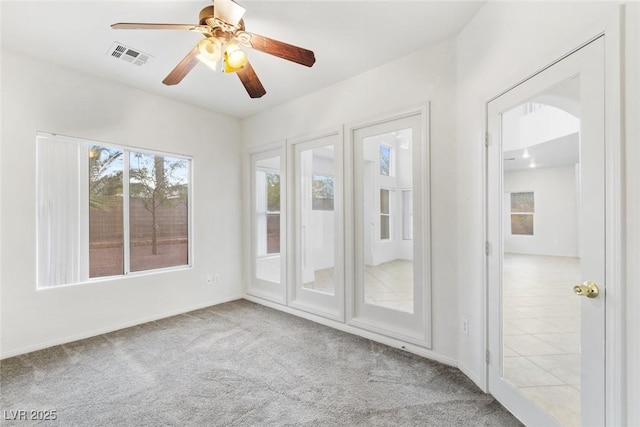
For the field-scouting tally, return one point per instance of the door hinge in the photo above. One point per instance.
(487, 356)
(486, 248)
(486, 139)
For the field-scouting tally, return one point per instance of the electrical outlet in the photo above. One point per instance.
(465, 326)
(209, 280)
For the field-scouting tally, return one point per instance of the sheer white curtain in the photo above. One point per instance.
(59, 204)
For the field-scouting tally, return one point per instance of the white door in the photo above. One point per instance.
(318, 232)
(268, 243)
(391, 228)
(546, 235)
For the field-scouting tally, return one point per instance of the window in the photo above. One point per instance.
(158, 197)
(322, 192)
(522, 209)
(385, 160)
(106, 224)
(268, 218)
(386, 200)
(268, 211)
(108, 211)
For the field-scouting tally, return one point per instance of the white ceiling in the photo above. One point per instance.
(558, 152)
(348, 38)
(563, 151)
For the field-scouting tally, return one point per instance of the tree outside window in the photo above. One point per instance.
(158, 211)
(385, 160)
(106, 236)
(322, 192)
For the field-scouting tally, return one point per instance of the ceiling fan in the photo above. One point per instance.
(224, 37)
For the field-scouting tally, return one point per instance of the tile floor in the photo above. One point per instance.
(323, 281)
(389, 284)
(541, 332)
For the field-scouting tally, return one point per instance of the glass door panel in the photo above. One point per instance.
(541, 181)
(318, 226)
(388, 278)
(268, 244)
(389, 183)
(317, 210)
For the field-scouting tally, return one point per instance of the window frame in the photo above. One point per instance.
(84, 145)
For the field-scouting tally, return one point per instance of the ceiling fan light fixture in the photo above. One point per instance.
(234, 56)
(222, 25)
(228, 68)
(210, 49)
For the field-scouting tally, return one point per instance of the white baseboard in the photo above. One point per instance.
(391, 342)
(89, 334)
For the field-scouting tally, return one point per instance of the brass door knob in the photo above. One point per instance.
(587, 289)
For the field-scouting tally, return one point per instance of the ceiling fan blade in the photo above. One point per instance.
(228, 11)
(251, 82)
(147, 26)
(277, 48)
(182, 69)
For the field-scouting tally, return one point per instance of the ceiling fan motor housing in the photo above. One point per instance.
(219, 29)
(205, 14)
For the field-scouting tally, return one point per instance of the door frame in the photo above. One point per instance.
(615, 314)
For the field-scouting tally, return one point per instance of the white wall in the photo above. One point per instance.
(39, 96)
(504, 43)
(427, 75)
(555, 230)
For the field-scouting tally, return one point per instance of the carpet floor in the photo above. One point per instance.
(238, 364)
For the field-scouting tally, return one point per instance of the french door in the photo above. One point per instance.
(546, 235)
(318, 231)
(390, 204)
(268, 220)
(364, 258)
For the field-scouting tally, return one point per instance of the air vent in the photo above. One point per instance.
(129, 54)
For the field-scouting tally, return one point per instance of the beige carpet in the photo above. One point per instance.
(240, 364)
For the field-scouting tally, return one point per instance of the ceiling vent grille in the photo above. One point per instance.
(129, 54)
